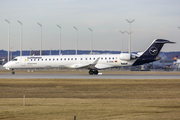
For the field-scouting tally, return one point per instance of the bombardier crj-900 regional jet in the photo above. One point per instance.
(91, 62)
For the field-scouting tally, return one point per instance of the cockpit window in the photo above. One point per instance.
(15, 59)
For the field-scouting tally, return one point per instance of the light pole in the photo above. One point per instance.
(59, 40)
(41, 39)
(30, 51)
(8, 36)
(11, 52)
(130, 21)
(76, 39)
(129, 40)
(20, 38)
(122, 40)
(91, 39)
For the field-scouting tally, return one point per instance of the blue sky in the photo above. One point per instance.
(153, 19)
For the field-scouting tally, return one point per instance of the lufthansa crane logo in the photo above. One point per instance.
(153, 50)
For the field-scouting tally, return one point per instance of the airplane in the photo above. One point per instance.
(177, 62)
(91, 62)
(2, 61)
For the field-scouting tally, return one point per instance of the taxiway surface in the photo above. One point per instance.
(87, 76)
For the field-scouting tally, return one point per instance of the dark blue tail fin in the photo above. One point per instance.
(175, 58)
(151, 53)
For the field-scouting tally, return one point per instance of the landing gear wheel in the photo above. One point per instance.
(96, 72)
(91, 72)
(12, 72)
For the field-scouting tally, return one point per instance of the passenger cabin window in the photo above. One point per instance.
(57, 59)
(89, 58)
(109, 58)
(105, 58)
(75, 58)
(53, 59)
(46, 59)
(94, 58)
(68, 58)
(101, 58)
(71, 58)
(64, 58)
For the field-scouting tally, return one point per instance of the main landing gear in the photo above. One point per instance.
(12, 72)
(95, 72)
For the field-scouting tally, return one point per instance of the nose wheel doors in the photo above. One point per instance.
(95, 72)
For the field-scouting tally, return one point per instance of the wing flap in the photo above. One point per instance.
(79, 66)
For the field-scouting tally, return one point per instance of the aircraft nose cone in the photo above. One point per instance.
(6, 66)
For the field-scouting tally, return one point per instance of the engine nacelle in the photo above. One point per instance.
(127, 56)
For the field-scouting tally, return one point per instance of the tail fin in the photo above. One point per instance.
(175, 59)
(151, 53)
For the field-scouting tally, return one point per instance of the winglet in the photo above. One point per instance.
(92, 66)
(89, 66)
(95, 62)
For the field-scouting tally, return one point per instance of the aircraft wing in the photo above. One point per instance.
(88, 66)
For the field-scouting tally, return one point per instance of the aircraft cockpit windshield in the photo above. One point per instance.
(15, 59)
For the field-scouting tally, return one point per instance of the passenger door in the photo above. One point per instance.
(23, 61)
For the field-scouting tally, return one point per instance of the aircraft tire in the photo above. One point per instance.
(12, 72)
(96, 72)
(91, 72)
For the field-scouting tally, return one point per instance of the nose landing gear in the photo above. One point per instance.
(95, 72)
(12, 72)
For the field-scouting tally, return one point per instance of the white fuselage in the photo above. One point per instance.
(68, 61)
(91, 62)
